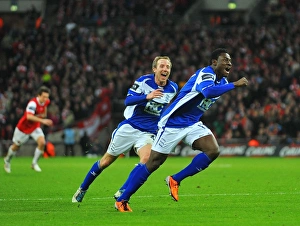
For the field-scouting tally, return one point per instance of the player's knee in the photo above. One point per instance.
(209, 146)
(152, 166)
(213, 152)
(144, 158)
(106, 160)
(41, 145)
(41, 142)
(155, 161)
(104, 163)
(15, 147)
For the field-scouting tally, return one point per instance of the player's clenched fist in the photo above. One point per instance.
(47, 122)
(241, 82)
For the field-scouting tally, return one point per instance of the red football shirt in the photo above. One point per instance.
(34, 108)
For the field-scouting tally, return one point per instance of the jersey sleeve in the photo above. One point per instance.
(31, 108)
(208, 88)
(134, 99)
(136, 94)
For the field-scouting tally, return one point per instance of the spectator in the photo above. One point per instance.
(69, 139)
(85, 144)
(96, 149)
(267, 48)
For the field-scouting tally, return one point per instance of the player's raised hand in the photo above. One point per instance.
(155, 94)
(47, 122)
(241, 82)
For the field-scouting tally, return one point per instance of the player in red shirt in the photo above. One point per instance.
(29, 126)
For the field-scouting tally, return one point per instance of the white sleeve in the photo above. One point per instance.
(31, 107)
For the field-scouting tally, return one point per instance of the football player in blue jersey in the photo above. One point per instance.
(181, 122)
(145, 101)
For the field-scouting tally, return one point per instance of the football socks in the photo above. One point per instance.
(199, 163)
(137, 180)
(10, 154)
(124, 186)
(91, 176)
(37, 155)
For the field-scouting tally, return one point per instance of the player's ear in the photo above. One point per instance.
(214, 62)
(154, 69)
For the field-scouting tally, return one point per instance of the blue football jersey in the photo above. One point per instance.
(190, 103)
(144, 116)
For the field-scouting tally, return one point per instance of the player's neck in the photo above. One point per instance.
(39, 101)
(160, 83)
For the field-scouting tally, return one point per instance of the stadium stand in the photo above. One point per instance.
(81, 47)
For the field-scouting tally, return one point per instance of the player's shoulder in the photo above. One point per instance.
(146, 77)
(206, 70)
(33, 101)
(172, 85)
(32, 105)
(206, 73)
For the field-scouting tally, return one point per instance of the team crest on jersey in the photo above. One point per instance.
(206, 103)
(135, 86)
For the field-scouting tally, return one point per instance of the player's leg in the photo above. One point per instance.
(92, 174)
(117, 145)
(72, 149)
(96, 170)
(166, 139)
(39, 137)
(202, 160)
(200, 138)
(210, 151)
(12, 150)
(66, 150)
(144, 153)
(142, 148)
(19, 138)
(138, 179)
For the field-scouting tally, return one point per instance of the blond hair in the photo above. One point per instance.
(154, 63)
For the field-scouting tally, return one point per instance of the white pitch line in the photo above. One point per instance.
(151, 196)
(23, 199)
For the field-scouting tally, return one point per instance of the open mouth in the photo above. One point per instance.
(227, 70)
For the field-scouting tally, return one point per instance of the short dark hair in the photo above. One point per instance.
(216, 53)
(43, 89)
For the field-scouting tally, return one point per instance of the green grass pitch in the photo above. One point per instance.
(232, 191)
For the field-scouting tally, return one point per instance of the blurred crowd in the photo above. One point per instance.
(108, 44)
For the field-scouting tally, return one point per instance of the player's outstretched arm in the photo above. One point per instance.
(241, 82)
(47, 122)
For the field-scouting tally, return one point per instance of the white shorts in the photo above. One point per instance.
(125, 137)
(20, 138)
(168, 138)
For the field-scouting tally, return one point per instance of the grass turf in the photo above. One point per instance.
(232, 191)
